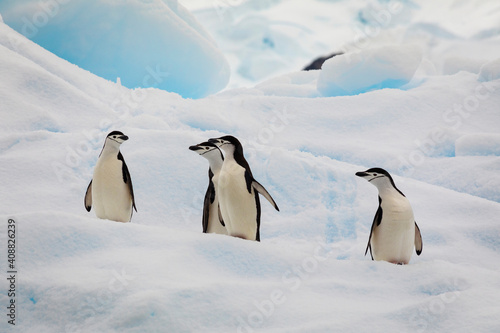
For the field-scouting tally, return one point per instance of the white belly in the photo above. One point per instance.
(111, 198)
(393, 240)
(238, 206)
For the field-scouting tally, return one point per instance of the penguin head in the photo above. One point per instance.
(115, 138)
(208, 150)
(378, 177)
(229, 144)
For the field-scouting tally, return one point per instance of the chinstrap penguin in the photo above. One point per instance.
(110, 191)
(212, 221)
(394, 232)
(238, 192)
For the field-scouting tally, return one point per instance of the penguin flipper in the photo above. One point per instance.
(376, 222)
(206, 207)
(369, 247)
(259, 188)
(418, 240)
(127, 179)
(88, 197)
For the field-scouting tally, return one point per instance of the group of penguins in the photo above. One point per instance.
(232, 204)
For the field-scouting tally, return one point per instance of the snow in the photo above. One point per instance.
(141, 43)
(482, 144)
(388, 66)
(490, 71)
(437, 135)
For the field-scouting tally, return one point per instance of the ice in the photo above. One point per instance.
(143, 43)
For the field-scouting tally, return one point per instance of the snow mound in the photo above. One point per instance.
(144, 43)
(453, 65)
(490, 71)
(483, 144)
(296, 84)
(388, 66)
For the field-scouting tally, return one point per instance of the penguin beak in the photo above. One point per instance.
(361, 174)
(194, 148)
(124, 137)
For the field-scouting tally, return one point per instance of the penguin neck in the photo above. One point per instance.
(215, 164)
(386, 189)
(235, 155)
(230, 151)
(111, 149)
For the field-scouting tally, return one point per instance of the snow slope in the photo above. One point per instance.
(161, 274)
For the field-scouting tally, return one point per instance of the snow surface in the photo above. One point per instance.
(352, 73)
(438, 137)
(142, 43)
